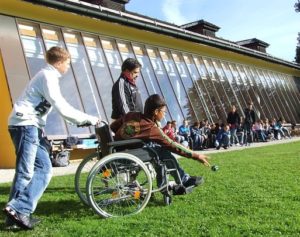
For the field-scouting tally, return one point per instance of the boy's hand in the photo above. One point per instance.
(203, 159)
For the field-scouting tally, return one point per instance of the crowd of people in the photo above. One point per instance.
(236, 131)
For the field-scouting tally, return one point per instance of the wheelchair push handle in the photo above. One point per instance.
(100, 124)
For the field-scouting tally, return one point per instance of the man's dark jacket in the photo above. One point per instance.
(125, 98)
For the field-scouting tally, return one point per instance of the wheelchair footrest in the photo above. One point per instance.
(181, 190)
(189, 189)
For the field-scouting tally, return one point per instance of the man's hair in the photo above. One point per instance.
(130, 64)
(152, 103)
(56, 54)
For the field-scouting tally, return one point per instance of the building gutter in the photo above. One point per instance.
(99, 12)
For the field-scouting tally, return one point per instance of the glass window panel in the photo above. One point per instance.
(201, 68)
(84, 76)
(274, 95)
(235, 74)
(233, 99)
(113, 57)
(219, 70)
(239, 80)
(234, 86)
(287, 98)
(293, 86)
(189, 86)
(101, 71)
(176, 83)
(269, 94)
(146, 70)
(148, 73)
(210, 68)
(293, 101)
(34, 53)
(253, 96)
(33, 47)
(287, 106)
(215, 98)
(278, 97)
(165, 85)
(209, 63)
(297, 83)
(260, 99)
(269, 110)
(291, 93)
(243, 86)
(200, 87)
(52, 37)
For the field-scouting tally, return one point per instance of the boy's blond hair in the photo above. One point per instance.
(57, 54)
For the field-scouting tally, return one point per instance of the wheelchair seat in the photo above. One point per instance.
(142, 153)
(135, 147)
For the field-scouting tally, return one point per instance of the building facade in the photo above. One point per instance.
(199, 76)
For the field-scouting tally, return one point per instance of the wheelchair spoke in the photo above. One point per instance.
(119, 186)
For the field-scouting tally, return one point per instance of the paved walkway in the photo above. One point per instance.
(6, 175)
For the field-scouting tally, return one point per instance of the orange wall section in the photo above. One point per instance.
(7, 151)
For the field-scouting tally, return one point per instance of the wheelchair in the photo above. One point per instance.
(121, 176)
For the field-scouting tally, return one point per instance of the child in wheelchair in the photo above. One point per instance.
(136, 125)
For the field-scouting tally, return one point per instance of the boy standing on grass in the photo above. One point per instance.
(25, 124)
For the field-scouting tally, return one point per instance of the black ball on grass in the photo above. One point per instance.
(215, 168)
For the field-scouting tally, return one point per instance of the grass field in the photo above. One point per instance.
(256, 192)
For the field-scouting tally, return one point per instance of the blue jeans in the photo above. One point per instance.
(33, 169)
(165, 155)
(224, 141)
(233, 137)
(197, 142)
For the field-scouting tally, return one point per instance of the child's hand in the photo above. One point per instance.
(203, 159)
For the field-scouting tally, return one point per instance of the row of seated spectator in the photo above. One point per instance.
(265, 130)
(202, 135)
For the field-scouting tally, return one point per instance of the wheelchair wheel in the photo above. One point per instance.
(82, 173)
(118, 185)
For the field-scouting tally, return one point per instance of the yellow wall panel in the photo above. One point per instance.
(7, 159)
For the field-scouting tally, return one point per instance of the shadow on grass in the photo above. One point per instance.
(62, 208)
(4, 190)
(66, 209)
(66, 190)
(62, 202)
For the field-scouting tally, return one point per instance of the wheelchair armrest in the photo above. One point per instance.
(125, 142)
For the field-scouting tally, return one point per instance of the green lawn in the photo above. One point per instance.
(256, 192)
